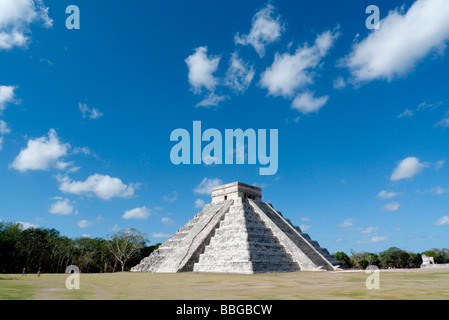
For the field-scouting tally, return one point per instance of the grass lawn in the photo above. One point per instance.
(394, 284)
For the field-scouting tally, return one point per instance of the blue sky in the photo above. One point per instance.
(362, 115)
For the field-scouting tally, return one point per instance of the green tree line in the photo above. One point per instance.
(392, 258)
(47, 250)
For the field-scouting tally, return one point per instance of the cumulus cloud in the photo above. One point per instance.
(171, 198)
(347, 223)
(41, 154)
(4, 129)
(201, 70)
(102, 186)
(137, 213)
(266, 28)
(403, 40)
(63, 207)
(89, 113)
(84, 223)
(442, 221)
(239, 74)
(199, 203)
(167, 221)
(387, 195)
(27, 225)
(16, 17)
(206, 185)
(439, 191)
(306, 102)
(305, 227)
(407, 168)
(373, 239)
(392, 206)
(339, 83)
(7, 96)
(288, 73)
(368, 230)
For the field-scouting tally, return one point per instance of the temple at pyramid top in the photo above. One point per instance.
(238, 233)
(236, 190)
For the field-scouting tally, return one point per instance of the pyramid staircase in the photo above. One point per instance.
(238, 233)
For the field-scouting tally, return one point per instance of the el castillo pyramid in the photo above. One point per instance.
(238, 233)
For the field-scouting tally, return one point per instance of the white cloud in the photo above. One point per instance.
(407, 113)
(305, 227)
(6, 94)
(239, 74)
(408, 168)
(90, 113)
(368, 230)
(439, 164)
(211, 100)
(392, 206)
(339, 83)
(16, 16)
(265, 29)
(373, 239)
(206, 185)
(27, 225)
(403, 40)
(305, 219)
(4, 129)
(137, 213)
(160, 235)
(288, 73)
(442, 221)
(1, 143)
(63, 206)
(347, 223)
(424, 105)
(83, 150)
(84, 223)
(439, 191)
(201, 70)
(167, 221)
(102, 186)
(199, 203)
(306, 102)
(41, 153)
(171, 198)
(443, 122)
(387, 195)
(86, 236)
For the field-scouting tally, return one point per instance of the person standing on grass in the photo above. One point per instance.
(39, 272)
(24, 272)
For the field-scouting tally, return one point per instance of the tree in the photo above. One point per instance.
(363, 259)
(124, 244)
(341, 256)
(395, 257)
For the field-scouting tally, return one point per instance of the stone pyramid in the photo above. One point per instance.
(238, 233)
